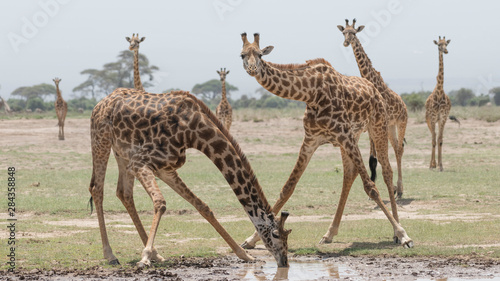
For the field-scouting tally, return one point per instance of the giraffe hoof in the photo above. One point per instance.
(408, 244)
(246, 245)
(396, 240)
(142, 265)
(325, 240)
(114, 262)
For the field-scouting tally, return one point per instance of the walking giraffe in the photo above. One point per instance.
(134, 46)
(224, 111)
(61, 109)
(338, 109)
(437, 107)
(395, 106)
(149, 135)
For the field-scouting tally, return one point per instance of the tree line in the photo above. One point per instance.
(100, 82)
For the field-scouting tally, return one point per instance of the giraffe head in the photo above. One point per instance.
(251, 54)
(275, 237)
(134, 41)
(223, 73)
(442, 43)
(349, 31)
(56, 80)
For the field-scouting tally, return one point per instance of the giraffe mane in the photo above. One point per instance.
(237, 148)
(297, 66)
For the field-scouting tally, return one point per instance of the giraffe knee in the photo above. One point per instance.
(371, 190)
(160, 205)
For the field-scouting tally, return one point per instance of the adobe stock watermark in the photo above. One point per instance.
(222, 7)
(485, 84)
(380, 20)
(30, 26)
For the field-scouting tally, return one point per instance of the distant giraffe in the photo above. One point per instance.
(149, 135)
(437, 107)
(338, 109)
(134, 46)
(395, 106)
(61, 109)
(224, 111)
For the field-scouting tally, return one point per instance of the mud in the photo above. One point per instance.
(301, 268)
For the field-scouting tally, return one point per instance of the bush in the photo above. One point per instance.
(35, 103)
(479, 101)
(414, 102)
(17, 104)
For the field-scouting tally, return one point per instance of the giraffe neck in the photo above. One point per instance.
(237, 171)
(364, 63)
(137, 76)
(440, 76)
(59, 95)
(290, 84)
(224, 96)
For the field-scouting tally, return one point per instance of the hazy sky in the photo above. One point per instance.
(190, 40)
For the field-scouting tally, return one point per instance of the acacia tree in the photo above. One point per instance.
(36, 91)
(211, 89)
(115, 74)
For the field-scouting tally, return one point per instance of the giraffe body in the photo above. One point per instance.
(149, 135)
(437, 108)
(338, 109)
(223, 111)
(134, 46)
(61, 108)
(395, 106)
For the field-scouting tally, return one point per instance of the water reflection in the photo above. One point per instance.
(303, 270)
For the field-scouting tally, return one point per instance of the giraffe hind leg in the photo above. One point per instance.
(125, 192)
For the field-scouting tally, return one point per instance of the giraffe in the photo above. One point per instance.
(61, 109)
(338, 109)
(149, 135)
(224, 111)
(437, 107)
(395, 106)
(134, 46)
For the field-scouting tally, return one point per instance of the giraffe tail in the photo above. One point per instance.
(373, 167)
(454, 119)
(91, 200)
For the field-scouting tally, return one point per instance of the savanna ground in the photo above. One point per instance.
(453, 216)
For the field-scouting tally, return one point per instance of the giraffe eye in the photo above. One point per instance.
(275, 234)
(242, 56)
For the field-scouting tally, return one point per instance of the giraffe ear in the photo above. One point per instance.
(361, 27)
(435, 42)
(227, 72)
(218, 72)
(267, 50)
(448, 42)
(341, 28)
(142, 39)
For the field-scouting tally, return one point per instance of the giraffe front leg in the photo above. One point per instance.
(440, 142)
(432, 128)
(350, 175)
(307, 150)
(176, 183)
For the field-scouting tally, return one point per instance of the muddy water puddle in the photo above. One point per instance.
(330, 270)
